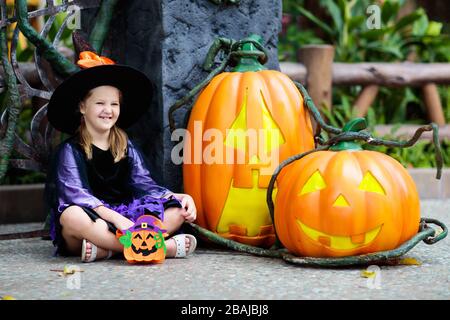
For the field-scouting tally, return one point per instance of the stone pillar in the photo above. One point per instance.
(168, 40)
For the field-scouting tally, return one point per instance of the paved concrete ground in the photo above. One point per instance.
(215, 274)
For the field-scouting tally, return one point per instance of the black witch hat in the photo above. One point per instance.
(137, 90)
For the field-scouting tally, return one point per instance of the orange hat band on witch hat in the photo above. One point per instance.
(89, 59)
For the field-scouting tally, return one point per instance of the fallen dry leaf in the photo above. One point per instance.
(367, 274)
(410, 262)
(67, 270)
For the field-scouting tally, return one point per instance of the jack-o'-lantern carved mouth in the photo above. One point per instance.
(144, 252)
(340, 242)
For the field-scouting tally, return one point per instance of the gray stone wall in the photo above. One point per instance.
(168, 40)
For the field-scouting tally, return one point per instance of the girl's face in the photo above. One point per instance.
(101, 108)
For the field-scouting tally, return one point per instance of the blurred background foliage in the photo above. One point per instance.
(406, 33)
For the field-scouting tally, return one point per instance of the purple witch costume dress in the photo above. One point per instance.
(125, 187)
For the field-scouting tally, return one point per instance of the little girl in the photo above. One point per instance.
(98, 181)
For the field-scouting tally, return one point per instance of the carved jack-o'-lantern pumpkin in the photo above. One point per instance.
(345, 202)
(144, 242)
(261, 117)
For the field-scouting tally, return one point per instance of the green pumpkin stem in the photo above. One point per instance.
(246, 62)
(354, 125)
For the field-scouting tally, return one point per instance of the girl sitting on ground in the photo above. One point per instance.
(98, 181)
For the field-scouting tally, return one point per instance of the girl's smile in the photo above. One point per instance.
(101, 108)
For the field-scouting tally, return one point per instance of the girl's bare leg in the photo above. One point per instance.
(173, 219)
(78, 226)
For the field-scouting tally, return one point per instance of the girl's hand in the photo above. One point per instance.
(123, 223)
(119, 221)
(187, 203)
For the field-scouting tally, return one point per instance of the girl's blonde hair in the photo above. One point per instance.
(118, 138)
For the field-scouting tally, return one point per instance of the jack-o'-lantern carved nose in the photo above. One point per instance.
(341, 202)
(144, 244)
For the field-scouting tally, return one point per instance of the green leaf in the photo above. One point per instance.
(335, 13)
(389, 10)
(126, 239)
(374, 34)
(331, 117)
(388, 49)
(160, 243)
(434, 29)
(346, 108)
(409, 19)
(420, 26)
(361, 7)
(371, 119)
(410, 96)
(315, 20)
(342, 5)
(356, 22)
(25, 54)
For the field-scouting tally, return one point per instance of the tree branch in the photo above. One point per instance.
(101, 27)
(46, 49)
(11, 102)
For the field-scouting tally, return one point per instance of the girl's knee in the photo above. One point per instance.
(173, 219)
(73, 216)
(102, 224)
(174, 213)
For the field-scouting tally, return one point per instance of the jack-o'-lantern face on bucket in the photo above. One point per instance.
(144, 242)
(346, 203)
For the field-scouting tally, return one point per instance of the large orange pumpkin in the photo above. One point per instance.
(230, 197)
(348, 202)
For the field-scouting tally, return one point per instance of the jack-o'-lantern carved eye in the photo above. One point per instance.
(371, 184)
(315, 183)
(237, 134)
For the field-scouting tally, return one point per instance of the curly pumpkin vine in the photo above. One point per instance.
(337, 248)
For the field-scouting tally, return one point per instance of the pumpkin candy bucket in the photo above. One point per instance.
(144, 242)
